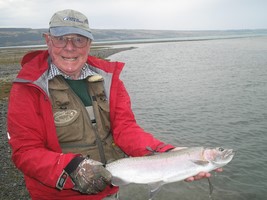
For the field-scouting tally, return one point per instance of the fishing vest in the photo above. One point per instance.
(75, 130)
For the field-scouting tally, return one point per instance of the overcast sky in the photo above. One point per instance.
(141, 14)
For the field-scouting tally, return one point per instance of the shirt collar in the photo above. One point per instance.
(54, 71)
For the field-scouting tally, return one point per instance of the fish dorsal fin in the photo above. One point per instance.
(200, 162)
(154, 189)
(118, 181)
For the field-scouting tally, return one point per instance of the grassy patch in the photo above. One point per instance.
(12, 56)
(4, 89)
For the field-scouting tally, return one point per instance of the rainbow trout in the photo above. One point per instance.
(173, 166)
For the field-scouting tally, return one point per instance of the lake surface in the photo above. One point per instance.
(204, 93)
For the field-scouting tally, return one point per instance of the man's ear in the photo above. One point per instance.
(46, 37)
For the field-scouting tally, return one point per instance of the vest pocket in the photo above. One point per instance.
(69, 124)
(103, 108)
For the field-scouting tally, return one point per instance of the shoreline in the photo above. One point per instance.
(114, 43)
(12, 182)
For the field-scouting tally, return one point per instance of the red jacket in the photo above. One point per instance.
(35, 147)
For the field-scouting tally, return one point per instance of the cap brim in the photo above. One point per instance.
(65, 30)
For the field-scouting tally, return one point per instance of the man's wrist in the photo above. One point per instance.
(73, 164)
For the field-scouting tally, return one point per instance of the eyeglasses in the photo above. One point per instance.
(62, 41)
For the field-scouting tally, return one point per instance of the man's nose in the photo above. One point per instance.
(69, 43)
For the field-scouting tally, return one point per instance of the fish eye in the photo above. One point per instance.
(221, 149)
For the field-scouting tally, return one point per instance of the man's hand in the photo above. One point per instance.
(90, 178)
(201, 175)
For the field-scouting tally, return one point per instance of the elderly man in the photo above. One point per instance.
(65, 107)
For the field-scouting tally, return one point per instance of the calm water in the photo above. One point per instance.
(204, 93)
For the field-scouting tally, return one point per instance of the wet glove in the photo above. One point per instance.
(88, 176)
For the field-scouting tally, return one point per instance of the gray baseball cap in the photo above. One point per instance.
(70, 22)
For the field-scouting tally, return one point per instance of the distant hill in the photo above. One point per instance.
(28, 36)
(21, 36)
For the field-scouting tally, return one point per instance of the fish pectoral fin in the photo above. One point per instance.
(154, 189)
(200, 162)
(118, 181)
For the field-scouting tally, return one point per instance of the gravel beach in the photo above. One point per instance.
(12, 186)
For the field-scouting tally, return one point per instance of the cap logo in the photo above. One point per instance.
(66, 22)
(73, 19)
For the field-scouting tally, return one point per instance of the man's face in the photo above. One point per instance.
(71, 57)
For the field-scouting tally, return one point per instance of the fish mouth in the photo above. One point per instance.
(229, 152)
(228, 155)
(224, 156)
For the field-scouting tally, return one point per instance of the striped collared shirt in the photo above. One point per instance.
(54, 71)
